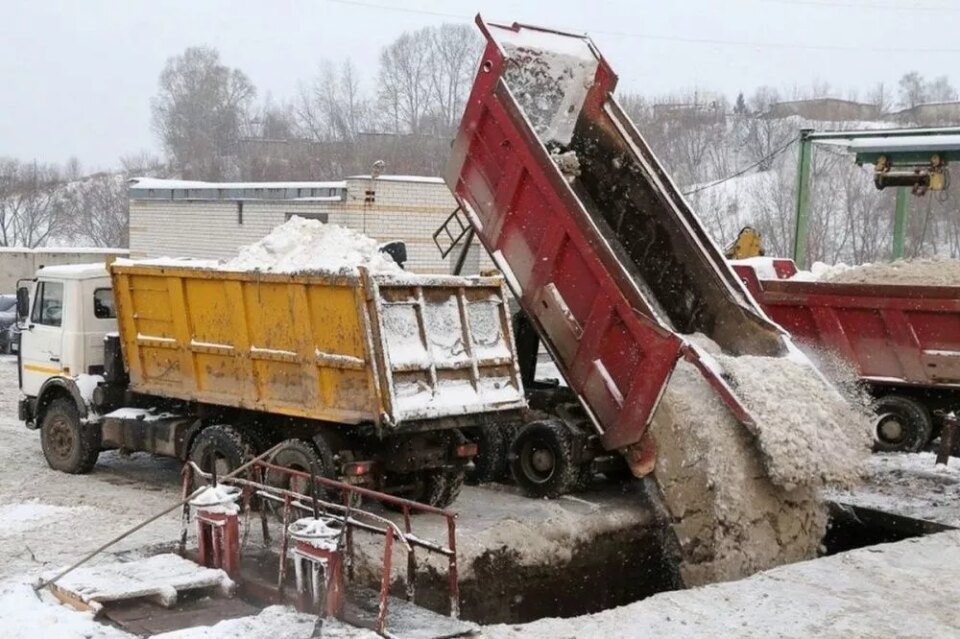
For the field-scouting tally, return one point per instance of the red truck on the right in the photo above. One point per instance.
(903, 342)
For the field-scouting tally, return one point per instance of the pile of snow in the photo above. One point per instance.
(302, 245)
(549, 75)
(272, 623)
(894, 590)
(810, 435)
(928, 271)
(27, 614)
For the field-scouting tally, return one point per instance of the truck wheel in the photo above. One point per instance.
(227, 447)
(69, 445)
(541, 459)
(299, 454)
(903, 424)
(490, 464)
(440, 487)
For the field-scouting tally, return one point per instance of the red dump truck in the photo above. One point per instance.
(606, 258)
(903, 342)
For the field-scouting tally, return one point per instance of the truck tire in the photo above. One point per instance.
(440, 487)
(541, 459)
(69, 445)
(300, 454)
(903, 424)
(490, 464)
(227, 446)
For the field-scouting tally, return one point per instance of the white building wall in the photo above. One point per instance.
(408, 209)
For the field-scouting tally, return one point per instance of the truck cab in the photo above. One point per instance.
(64, 317)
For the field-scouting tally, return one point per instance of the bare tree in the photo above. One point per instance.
(454, 52)
(199, 111)
(405, 93)
(98, 210)
(912, 90)
(30, 211)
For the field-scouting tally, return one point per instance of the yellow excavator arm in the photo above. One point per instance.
(747, 244)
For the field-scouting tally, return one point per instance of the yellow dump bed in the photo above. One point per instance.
(339, 348)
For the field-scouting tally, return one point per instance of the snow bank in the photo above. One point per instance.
(275, 622)
(25, 614)
(894, 590)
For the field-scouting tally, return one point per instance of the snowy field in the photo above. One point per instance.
(51, 518)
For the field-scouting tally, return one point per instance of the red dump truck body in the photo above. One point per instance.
(892, 334)
(611, 265)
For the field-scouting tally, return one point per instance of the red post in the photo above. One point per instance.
(218, 536)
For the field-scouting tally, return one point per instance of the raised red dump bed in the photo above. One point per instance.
(605, 256)
(901, 340)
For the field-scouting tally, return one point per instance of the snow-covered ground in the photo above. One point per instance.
(910, 485)
(48, 518)
(906, 589)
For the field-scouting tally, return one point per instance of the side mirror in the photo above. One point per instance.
(23, 303)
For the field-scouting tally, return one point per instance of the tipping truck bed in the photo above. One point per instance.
(390, 350)
(606, 257)
(901, 341)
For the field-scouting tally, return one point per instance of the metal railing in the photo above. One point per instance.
(353, 519)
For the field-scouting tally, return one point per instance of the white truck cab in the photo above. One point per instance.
(64, 318)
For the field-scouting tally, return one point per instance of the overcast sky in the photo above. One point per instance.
(76, 76)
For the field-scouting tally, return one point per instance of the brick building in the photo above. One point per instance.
(211, 220)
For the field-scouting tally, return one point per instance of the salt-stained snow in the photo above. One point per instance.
(301, 245)
(907, 589)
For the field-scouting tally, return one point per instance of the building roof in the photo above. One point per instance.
(145, 188)
(158, 183)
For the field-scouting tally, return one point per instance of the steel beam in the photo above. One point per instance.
(900, 215)
(802, 214)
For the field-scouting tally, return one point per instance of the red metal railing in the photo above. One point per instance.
(352, 517)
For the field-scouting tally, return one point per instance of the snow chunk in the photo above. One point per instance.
(301, 245)
(25, 613)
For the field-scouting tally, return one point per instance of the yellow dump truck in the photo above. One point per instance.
(367, 376)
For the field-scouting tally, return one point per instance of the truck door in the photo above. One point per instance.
(42, 340)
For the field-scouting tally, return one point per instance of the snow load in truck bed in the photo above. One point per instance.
(298, 246)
